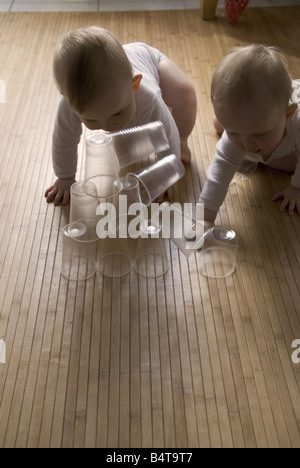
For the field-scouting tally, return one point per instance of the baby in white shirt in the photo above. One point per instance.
(107, 86)
(252, 97)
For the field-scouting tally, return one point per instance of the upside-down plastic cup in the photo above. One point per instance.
(218, 255)
(156, 179)
(83, 203)
(107, 187)
(107, 199)
(151, 259)
(100, 156)
(133, 144)
(113, 256)
(132, 211)
(84, 229)
(130, 187)
(178, 226)
(79, 255)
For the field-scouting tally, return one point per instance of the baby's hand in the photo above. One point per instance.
(59, 192)
(291, 199)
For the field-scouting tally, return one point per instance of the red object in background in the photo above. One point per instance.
(234, 9)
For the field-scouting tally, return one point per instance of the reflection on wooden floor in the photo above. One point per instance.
(182, 361)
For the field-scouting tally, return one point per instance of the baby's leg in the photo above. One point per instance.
(288, 163)
(179, 94)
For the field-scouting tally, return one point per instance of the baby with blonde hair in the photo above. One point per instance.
(252, 97)
(107, 86)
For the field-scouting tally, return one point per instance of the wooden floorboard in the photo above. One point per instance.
(182, 361)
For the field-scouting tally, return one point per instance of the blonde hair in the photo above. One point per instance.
(86, 62)
(244, 69)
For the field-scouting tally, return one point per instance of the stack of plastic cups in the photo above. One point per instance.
(79, 236)
(113, 255)
(114, 258)
(151, 258)
(106, 154)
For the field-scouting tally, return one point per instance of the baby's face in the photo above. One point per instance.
(113, 110)
(255, 126)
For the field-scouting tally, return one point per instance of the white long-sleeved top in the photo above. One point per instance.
(228, 159)
(150, 107)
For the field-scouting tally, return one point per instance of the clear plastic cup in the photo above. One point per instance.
(107, 199)
(79, 255)
(107, 187)
(218, 255)
(184, 231)
(156, 179)
(133, 144)
(130, 187)
(113, 257)
(246, 169)
(84, 229)
(100, 156)
(151, 259)
(83, 203)
(131, 209)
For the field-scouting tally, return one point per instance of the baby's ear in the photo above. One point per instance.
(136, 82)
(291, 111)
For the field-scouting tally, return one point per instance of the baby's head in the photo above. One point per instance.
(94, 74)
(251, 89)
(245, 71)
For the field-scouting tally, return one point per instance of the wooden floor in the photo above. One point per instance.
(179, 362)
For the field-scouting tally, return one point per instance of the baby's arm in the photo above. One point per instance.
(226, 161)
(66, 136)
